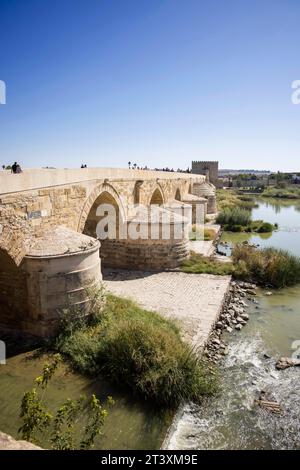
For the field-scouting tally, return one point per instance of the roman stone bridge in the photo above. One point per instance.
(49, 252)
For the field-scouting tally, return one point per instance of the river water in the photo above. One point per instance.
(131, 424)
(231, 420)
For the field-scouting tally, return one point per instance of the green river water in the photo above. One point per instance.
(230, 420)
(130, 424)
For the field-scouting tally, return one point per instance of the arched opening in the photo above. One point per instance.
(156, 197)
(137, 191)
(104, 223)
(104, 207)
(190, 189)
(178, 195)
(13, 292)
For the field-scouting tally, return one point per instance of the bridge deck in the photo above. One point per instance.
(32, 179)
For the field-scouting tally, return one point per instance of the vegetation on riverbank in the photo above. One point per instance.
(267, 267)
(135, 348)
(229, 198)
(282, 192)
(200, 265)
(235, 219)
(61, 425)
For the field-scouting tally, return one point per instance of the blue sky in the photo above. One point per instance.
(157, 82)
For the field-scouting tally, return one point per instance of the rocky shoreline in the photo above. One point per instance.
(232, 318)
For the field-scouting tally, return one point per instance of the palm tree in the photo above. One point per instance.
(135, 165)
(129, 165)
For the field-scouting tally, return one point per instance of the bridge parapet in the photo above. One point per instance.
(31, 179)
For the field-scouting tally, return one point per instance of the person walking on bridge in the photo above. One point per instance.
(16, 168)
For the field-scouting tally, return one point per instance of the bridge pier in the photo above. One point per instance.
(157, 239)
(208, 191)
(56, 273)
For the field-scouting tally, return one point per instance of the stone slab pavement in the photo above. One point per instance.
(193, 300)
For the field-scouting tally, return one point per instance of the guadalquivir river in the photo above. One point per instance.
(228, 421)
(231, 421)
(131, 424)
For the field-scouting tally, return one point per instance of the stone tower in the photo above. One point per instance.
(210, 169)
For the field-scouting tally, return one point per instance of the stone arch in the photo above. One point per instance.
(13, 243)
(13, 291)
(137, 192)
(178, 195)
(92, 199)
(111, 213)
(157, 197)
(113, 221)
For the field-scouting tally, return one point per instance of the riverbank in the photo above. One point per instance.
(233, 420)
(131, 424)
(285, 192)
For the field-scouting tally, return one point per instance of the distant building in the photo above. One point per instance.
(210, 169)
(231, 172)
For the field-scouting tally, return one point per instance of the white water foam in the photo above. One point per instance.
(232, 420)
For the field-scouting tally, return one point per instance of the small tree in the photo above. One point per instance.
(61, 424)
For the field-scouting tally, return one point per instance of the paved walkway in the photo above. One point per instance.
(194, 300)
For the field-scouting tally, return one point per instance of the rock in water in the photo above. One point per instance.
(286, 362)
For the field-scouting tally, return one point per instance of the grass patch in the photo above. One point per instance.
(268, 266)
(139, 349)
(200, 265)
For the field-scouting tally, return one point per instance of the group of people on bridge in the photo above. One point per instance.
(15, 168)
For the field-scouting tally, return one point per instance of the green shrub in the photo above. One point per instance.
(265, 227)
(233, 228)
(141, 350)
(268, 266)
(63, 430)
(231, 217)
(150, 358)
(259, 226)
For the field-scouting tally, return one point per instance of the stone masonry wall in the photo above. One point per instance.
(26, 215)
(144, 254)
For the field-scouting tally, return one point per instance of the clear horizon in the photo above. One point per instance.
(158, 83)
